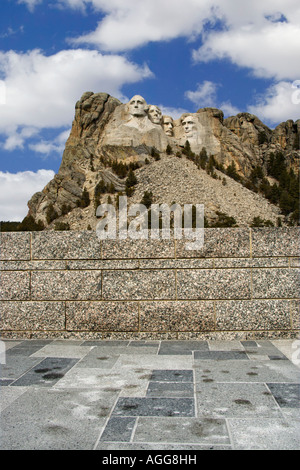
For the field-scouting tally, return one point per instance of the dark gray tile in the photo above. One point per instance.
(249, 344)
(220, 355)
(172, 376)
(17, 365)
(27, 347)
(5, 382)
(151, 406)
(170, 389)
(287, 395)
(278, 357)
(118, 429)
(47, 372)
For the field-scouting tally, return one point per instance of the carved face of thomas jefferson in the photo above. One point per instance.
(155, 114)
(137, 106)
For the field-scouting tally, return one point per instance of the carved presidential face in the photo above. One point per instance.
(137, 106)
(155, 114)
(189, 125)
(168, 125)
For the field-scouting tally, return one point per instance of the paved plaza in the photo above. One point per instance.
(150, 395)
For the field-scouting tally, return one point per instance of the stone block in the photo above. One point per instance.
(65, 245)
(41, 265)
(253, 315)
(176, 316)
(275, 241)
(122, 249)
(103, 264)
(66, 285)
(214, 284)
(295, 307)
(219, 243)
(15, 245)
(102, 316)
(32, 316)
(275, 283)
(176, 263)
(15, 285)
(252, 262)
(138, 285)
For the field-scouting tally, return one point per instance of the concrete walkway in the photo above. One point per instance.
(150, 395)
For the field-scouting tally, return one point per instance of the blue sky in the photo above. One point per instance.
(180, 55)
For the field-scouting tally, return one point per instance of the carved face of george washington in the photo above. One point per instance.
(137, 106)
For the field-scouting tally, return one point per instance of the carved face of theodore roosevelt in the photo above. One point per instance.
(155, 114)
(137, 106)
(168, 125)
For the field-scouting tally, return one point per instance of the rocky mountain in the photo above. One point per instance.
(229, 165)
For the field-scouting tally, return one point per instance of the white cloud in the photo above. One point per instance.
(31, 4)
(280, 103)
(41, 91)
(17, 188)
(132, 23)
(269, 51)
(57, 145)
(229, 109)
(175, 113)
(205, 95)
(16, 139)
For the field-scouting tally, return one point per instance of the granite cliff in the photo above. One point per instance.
(117, 148)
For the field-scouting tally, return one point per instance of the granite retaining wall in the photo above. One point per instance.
(244, 283)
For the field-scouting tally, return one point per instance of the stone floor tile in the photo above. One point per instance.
(118, 429)
(172, 375)
(170, 389)
(126, 382)
(154, 406)
(181, 430)
(287, 395)
(47, 372)
(182, 347)
(66, 350)
(264, 434)
(154, 362)
(49, 419)
(225, 346)
(17, 365)
(220, 355)
(235, 400)
(246, 371)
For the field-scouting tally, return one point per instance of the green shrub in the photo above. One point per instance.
(51, 214)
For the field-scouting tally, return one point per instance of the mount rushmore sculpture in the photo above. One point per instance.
(136, 123)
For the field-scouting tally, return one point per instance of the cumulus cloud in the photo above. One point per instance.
(56, 146)
(205, 95)
(40, 91)
(31, 4)
(17, 188)
(269, 51)
(133, 23)
(280, 103)
(261, 36)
